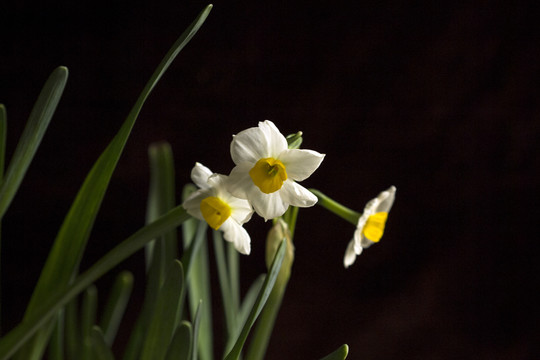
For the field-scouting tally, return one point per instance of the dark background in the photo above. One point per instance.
(439, 99)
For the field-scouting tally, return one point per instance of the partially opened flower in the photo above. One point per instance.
(370, 227)
(267, 171)
(219, 208)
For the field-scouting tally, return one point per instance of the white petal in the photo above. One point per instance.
(248, 146)
(275, 141)
(297, 195)
(350, 255)
(257, 143)
(200, 175)
(268, 206)
(239, 182)
(357, 239)
(193, 202)
(386, 199)
(300, 164)
(241, 209)
(235, 233)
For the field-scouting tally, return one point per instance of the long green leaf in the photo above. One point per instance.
(65, 256)
(3, 132)
(35, 128)
(116, 306)
(180, 347)
(198, 285)
(229, 308)
(88, 320)
(196, 331)
(160, 252)
(161, 329)
(100, 349)
(245, 308)
(3, 137)
(340, 354)
(13, 340)
(268, 284)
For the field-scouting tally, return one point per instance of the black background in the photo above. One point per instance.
(439, 99)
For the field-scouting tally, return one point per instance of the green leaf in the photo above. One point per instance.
(38, 121)
(268, 284)
(100, 349)
(162, 326)
(161, 199)
(73, 339)
(163, 250)
(230, 306)
(13, 340)
(339, 354)
(88, 320)
(56, 345)
(196, 331)
(3, 131)
(245, 308)
(65, 256)
(180, 347)
(3, 136)
(116, 306)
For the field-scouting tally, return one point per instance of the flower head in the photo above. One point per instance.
(267, 171)
(220, 209)
(370, 227)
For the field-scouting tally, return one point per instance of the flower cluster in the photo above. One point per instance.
(264, 181)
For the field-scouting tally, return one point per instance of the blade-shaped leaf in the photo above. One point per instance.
(268, 284)
(35, 128)
(161, 328)
(340, 354)
(180, 347)
(100, 349)
(13, 340)
(116, 306)
(65, 256)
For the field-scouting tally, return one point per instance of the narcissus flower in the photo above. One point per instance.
(370, 227)
(267, 171)
(220, 209)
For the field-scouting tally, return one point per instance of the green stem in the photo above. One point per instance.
(335, 207)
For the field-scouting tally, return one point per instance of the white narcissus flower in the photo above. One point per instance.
(267, 171)
(370, 227)
(220, 209)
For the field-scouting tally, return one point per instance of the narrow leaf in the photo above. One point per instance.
(116, 306)
(100, 349)
(13, 340)
(245, 308)
(88, 320)
(196, 331)
(180, 347)
(162, 325)
(65, 256)
(340, 354)
(268, 284)
(35, 128)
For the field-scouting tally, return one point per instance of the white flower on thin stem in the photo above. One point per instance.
(370, 227)
(219, 208)
(267, 171)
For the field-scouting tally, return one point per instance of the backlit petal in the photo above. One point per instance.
(300, 164)
(350, 254)
(297, 195)
(276, 143)
(235, 233)
(200, 175)
(239, 182)
(268, 206)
